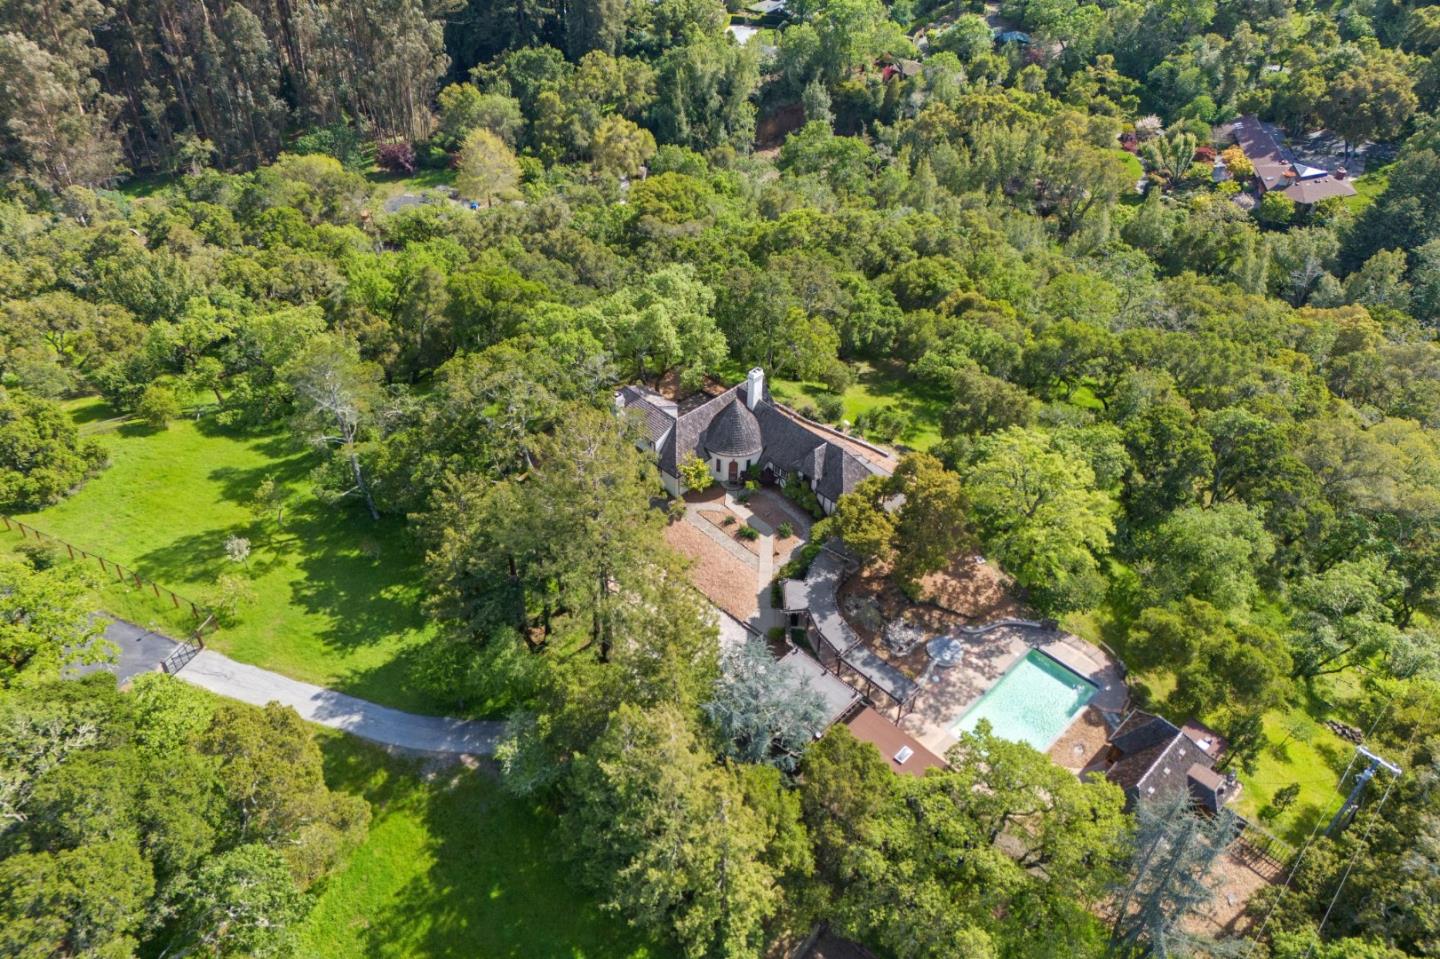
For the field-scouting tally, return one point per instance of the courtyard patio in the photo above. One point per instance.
(733, 572)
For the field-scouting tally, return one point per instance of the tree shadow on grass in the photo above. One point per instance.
(238, 484)
(365, 576)
(193, 559)
(483, 878)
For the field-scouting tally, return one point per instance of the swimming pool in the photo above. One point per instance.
(1032, 703)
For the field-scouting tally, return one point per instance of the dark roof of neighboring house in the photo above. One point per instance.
(869, 726)
(1157, 756)
(831, 946)
(1320, 188)
(1276, 166)
(733, 432)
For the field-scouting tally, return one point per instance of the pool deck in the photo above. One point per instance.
(948, 693)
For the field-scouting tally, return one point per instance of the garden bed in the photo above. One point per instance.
(718, 518)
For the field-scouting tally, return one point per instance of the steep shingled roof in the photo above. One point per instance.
(724, 424)
(733, 432)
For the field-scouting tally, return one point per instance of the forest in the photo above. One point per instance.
(407, 249)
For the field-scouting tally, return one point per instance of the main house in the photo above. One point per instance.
(743, 427)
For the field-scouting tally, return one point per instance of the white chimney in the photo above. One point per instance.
(754, 387)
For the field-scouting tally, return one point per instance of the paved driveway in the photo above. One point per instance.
(142, 651)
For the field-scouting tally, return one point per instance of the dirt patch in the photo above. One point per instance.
(973, 589)
(1236, 881)
(776, 125)
(770, 507)
(724, 579)
(966, 594)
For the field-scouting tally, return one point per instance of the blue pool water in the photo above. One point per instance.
(1032, 703)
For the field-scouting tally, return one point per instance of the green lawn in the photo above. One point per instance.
(1298, 750)
(337, 596)
(453, 867)
(1368, 186)
(876, 387)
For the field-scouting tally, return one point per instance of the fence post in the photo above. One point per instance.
(69, 550)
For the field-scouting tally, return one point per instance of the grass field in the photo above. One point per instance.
(453, 867)
(876, 387)
(337, 597)
(1368, 186)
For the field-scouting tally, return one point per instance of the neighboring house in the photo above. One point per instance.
(1277, 169)
(1150, 755)
(743, 428)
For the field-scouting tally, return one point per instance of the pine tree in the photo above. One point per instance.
(1175, 853)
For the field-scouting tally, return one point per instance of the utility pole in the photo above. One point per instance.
(1346, 812)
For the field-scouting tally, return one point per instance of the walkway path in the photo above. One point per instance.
(142, 651)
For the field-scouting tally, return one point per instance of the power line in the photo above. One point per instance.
(1364, 839)
(1344, 876)
(1310, 840)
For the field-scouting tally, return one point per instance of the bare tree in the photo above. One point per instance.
(337, 394)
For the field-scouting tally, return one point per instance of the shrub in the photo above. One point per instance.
(231, 594)
(785, 530)
(694, 473)
(837, 377)
(749, 533)
(341, 141)
(802, 496)
(676, 510)
(41, 555)
(728, 521)
(884, 423)
(800, 561)
(157, 406)
(396, 158)
(831, 407)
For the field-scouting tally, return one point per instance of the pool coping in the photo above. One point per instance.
(1009, 670)
(1087, 660)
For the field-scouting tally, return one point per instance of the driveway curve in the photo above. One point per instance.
(142, 651)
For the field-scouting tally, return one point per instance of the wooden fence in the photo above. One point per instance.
(110, 568)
